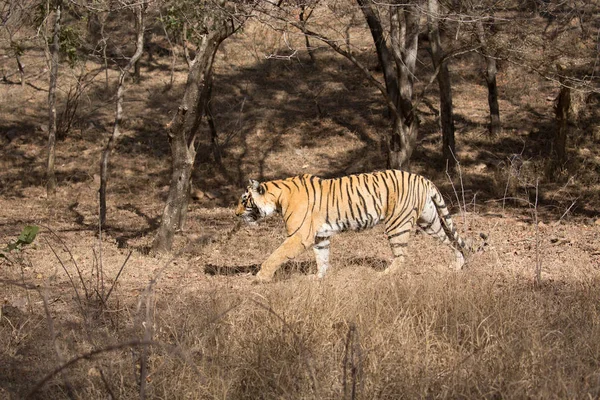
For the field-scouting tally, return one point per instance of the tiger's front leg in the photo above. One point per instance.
(289, 249)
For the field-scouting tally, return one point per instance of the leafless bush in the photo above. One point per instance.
(71, 103)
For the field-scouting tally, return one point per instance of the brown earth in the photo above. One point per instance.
(482, 332)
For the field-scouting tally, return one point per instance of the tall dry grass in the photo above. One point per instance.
(355, 335)
(450, 336)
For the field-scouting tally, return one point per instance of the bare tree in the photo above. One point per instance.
(491, 70)
(397, 57)
(13, 17)
(54, 60)
(443, 78)
(561, 109)
(214, 24)
(140, 9)
(396, 44)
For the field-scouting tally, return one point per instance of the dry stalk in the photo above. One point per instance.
(66, 248)
(352, 359)
(86, 356)
(538, 261)
(79, 300)
(117, 277)
(303, 350)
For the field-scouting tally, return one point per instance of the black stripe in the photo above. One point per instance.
(359, 209)
(314, 191)
(429, 225)
(305, 214)
(391, 212)
(398, 234)
(327, 201)
(320, 185)
(396, 245)
(350, 201)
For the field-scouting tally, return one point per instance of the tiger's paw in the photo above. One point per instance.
(261, 277)
(315, 277)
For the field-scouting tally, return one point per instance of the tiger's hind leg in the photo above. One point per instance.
(398, 239)
(431, 223)
(321, 249)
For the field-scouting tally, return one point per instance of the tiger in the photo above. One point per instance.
(314, 209)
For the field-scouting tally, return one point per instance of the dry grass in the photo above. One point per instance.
(445, 335)
(486, 332)
(202, 330)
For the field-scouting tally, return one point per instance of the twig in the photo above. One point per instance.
(117, 277)
(567, 210)
(86, 356)
(70, 255)
(79, 301)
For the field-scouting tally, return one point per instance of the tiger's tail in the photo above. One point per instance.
(450, 229)
(446, 219)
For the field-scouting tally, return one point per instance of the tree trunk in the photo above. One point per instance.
(54, 59)
(404, 35)
(214, 137)
(405, 45)
(398, 64)
(136, 65)
(384, 56)
(443, 78)
(303, 17)
(183, 131)
(116, 133)
(402, 144)
(490, 78)
(559, 145)
(21, 69)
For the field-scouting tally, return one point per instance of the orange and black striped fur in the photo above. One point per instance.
(315, 209)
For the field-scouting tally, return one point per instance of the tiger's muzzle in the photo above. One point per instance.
(247, 210)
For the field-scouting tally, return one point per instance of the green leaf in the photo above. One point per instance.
(28, 234)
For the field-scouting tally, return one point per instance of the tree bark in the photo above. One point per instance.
(384, 56)
(559, 145)
(136, 65)
(445, 86)
(303, 17)
(214, 137)
(183, 131)
(54, 59)
(397, 60)
(116, 133)
(495, 127)
(404, 35)
(21, 69)
(402, 144)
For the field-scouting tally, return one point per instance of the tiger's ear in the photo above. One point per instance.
(257, 187)
(254, 185)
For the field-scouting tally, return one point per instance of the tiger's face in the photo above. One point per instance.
(253, 204)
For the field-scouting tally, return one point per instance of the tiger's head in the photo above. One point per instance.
(254, 203)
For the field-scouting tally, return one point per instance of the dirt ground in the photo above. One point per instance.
(275, 118)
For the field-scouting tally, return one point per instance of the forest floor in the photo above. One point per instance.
(482, 332)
